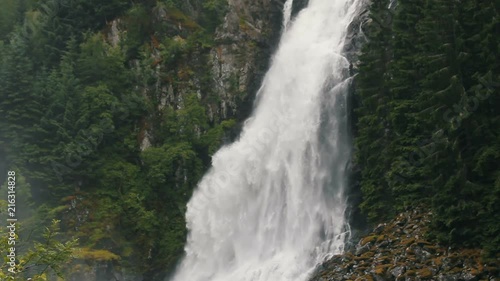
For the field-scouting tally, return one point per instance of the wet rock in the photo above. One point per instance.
(442, 277)
(467, 276)
(382, 244)
(379, 228)
(398, 271)
(401, 222)
(398, 251)
(240, 57)
(362, 249)
(421, 254)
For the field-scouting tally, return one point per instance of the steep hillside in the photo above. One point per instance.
(111, 111)
(426, 129)
(400, 250)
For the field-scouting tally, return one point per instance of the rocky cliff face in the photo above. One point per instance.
(234, 65)
(224, 74)
(400, 250)
(237, 63)
(245, 43)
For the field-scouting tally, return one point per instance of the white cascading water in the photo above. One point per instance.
(287, 14)
(272, 207)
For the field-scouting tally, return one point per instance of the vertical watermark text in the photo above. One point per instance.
(11, 220)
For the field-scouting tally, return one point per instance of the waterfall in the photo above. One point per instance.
(272, 205)
(287, 13)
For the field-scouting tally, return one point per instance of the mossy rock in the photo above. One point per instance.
(432, 248)
(380, 238)
(421, 242)
(96, 255)
(368, 254)
(425, 273)
(364, 278)
(410, 273)
(381, 269)
(407, 242)
(384, 258)
(369, 239)
(365, 256)
(438, 261)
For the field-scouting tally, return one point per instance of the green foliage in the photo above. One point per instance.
(139, 28)
(426, 129)
(90, 125)
(373, 114)
(213, 13)
(49, 256)
(9, 16)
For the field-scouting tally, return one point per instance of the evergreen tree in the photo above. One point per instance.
(442, 142)
(373, 130)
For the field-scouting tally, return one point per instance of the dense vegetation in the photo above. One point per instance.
(87, 127)
(109, 130)
(428, 116)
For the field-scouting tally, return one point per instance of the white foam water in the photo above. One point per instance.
(287, 14)
(272, 206)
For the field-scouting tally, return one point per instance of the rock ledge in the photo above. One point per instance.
(398, 250)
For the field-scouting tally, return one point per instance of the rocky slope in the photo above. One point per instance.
(399, 250)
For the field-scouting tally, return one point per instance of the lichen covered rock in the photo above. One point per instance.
(399, 250)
